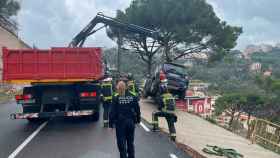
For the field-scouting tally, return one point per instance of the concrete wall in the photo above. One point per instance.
(9, 40)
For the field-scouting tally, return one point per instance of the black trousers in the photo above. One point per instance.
(125, 138)
(170, 118)
(106, 107)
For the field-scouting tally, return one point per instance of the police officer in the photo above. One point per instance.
(125, 113)
(107, 93)
(167, 106)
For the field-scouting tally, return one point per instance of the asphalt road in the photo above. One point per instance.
(74, 138)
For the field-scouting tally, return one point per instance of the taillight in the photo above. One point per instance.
(84, 94)
(93, 94)
(88, 94)
(27, 96)
(19, 97)
(162, 76)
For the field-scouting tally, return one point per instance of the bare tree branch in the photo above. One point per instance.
(152, 47)
(190, 51)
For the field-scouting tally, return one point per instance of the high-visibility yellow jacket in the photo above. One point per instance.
(107, 91)
(168, 103)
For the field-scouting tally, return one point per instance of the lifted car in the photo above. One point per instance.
(174, 74)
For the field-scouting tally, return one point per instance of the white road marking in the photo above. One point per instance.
(145, 127)
(26, 141)
(173, 156)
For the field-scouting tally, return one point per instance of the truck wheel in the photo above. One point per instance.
(94, 117)
(37, 120)
(34, 120)
(144, 95)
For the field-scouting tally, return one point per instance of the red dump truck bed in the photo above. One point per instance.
(53, 65)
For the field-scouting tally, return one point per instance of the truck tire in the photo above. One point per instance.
(144, 94)
(34, 120)
(94, 117)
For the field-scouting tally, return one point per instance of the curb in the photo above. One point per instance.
(193, 153)
(187, 149)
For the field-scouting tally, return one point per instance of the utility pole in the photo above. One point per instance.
(119, 42)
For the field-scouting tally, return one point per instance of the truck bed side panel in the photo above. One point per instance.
(53, 64)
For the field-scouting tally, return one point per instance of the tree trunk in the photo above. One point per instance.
(231, 118)
(149, 66)
(238, 116)
(119, 42)
(166, 53)
(250, 128)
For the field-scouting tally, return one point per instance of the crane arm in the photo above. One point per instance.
(80, 38)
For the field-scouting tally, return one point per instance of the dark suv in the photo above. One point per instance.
(174, 74)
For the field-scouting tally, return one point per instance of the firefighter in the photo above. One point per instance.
(125, 113)
(107, 93)
(167, 106)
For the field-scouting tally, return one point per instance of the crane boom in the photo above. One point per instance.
(80, 38)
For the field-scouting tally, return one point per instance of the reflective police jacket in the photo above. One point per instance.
(125, 107)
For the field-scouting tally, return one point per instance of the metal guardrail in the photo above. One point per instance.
(267, 134)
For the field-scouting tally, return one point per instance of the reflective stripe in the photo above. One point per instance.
(106, 121)
(154, 122)
(168, 97)
(107, 87)
(108, 98)
(106, 84)
(131, 86)
(133, 93)
(173, 134)
(168, 111)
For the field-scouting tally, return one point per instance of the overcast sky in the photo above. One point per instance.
(55, 22)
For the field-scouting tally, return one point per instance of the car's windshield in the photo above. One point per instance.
(175, 68)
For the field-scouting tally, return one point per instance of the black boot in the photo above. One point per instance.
(106, 124)
(173, 137)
